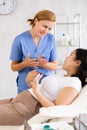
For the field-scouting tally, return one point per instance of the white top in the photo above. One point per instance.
(51, 85)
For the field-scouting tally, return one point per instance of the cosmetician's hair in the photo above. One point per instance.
(43, 15)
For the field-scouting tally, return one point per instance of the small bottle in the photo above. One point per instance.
(47, 127)
(65, 40)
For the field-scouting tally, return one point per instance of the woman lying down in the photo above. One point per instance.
(52, 91)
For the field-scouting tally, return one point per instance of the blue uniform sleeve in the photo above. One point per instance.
(16, 50)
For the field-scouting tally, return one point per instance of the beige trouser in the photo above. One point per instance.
(16, 111)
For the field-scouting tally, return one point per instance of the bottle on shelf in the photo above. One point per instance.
(65, 40)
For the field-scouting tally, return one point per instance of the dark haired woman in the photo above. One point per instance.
(52, 91)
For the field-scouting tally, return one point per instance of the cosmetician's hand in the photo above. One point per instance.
(31, 62)
(42, 61)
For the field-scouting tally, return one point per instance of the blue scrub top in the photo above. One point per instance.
(23, 45)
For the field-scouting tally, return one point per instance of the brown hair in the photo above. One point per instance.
(43, 15)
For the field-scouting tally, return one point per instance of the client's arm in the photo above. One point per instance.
(66, 96)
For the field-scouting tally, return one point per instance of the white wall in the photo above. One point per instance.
(15, 23)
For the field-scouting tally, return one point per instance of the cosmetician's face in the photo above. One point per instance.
(43, 27)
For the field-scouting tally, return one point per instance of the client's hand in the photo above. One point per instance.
(35, 81)
(31, 75)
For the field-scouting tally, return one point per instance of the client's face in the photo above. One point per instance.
(70, 62)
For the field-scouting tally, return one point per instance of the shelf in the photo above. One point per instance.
(71, 29)
(67, 45)
(67, 23)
